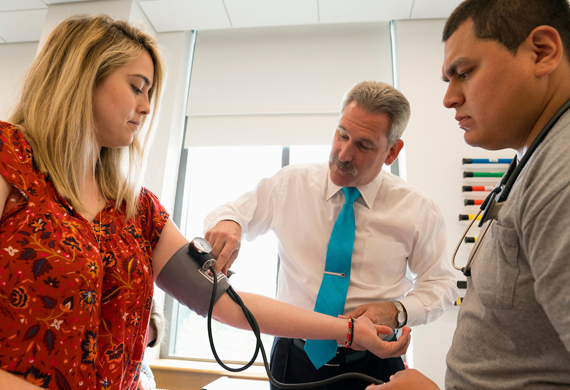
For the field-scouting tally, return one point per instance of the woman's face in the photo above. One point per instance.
(121, 100)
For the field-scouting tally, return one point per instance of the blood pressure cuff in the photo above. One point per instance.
(186, 281)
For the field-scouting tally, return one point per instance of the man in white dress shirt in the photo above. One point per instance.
(400, 273)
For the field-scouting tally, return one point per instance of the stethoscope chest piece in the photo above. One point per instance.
(492, 208)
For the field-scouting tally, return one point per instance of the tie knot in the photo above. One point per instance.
(350, 194)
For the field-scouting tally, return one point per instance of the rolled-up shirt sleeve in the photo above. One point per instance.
(434, 285)
(254, 211)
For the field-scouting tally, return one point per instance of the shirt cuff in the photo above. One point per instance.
(221, 217)
(415, 311)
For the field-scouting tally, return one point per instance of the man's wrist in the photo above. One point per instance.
(402, 316)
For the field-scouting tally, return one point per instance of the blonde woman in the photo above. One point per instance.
(81, 241)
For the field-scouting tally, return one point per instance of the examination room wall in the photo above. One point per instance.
(431, 158)
(15, 58)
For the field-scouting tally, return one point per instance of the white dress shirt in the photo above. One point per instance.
(399, 244)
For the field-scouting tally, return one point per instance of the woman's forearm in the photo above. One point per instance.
(11, 381)
(280, 319)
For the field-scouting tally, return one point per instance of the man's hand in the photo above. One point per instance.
(406, 380)
(225, 238)
(382, 313)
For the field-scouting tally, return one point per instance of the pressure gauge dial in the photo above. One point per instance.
(200, 249)
(201, 245)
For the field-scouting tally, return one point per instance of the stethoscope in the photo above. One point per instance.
(498, 196)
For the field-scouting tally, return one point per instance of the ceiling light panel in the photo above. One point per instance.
(263, 13)
(22, 26)
(181, 15)
(351, 11)
(430, 9)
(20, 5)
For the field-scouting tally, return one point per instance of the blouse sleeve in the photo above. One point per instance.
(15, 154)
(17, 167)
(154, 216)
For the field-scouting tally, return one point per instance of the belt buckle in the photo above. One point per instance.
(333, 364)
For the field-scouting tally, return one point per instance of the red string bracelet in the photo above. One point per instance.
(350, 334)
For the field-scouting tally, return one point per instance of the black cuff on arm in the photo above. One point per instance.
(184, 280)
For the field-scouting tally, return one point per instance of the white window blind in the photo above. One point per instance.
(280, 85)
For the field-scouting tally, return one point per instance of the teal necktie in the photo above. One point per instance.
(334, 286)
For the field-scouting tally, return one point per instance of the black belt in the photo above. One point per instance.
(343, 355)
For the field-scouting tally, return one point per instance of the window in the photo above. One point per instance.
(217, 175)
(286, 96)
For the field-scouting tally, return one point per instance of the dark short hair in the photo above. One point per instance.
(509, 22)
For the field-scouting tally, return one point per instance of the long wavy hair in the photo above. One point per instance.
(55, 112)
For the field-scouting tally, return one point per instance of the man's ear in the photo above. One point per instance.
(545, 43)
(394, 151)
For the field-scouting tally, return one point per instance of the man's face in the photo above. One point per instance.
(360, 147)
(493, 92)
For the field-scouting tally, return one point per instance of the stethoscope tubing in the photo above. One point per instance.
(503, 188)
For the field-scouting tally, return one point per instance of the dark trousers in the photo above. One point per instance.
(290, 364)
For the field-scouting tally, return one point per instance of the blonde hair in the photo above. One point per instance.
(55, 112)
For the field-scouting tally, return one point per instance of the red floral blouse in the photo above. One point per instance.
(73, 312)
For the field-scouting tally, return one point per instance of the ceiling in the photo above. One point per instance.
(23, 20)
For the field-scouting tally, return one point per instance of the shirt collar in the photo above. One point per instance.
(368, 192)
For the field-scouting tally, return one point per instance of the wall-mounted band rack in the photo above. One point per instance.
(480, 175)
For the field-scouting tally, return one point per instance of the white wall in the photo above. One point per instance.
(15, 59)
(162, 169)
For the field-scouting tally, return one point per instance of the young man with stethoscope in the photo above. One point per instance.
(507, 64)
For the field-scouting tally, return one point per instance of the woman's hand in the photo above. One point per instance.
(368, 336)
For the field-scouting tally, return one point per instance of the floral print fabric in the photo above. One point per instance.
(75, 296)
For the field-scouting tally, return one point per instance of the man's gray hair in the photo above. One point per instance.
(376, 97)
